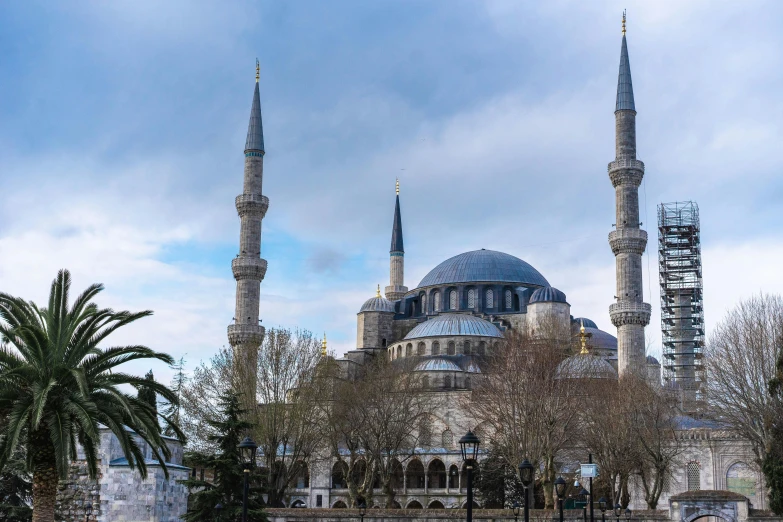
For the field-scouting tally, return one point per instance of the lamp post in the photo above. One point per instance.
(469, 445)
(560, 487)
(362, 509)
(526, 476)
(218, 511)
(627, 514)
(247, 451)
(88, 512)
(602, 507)
(515, 507)
(584, 493)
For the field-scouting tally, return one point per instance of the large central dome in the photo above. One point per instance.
(483, 266)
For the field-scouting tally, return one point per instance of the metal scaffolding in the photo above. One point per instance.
(682, 303)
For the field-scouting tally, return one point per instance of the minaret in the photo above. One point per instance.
(630, 314)
(246, 334)
(396, 288)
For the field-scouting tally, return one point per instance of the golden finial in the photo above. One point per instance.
(258, 70)
(323, 346)
(623, 22)
(583, 339)
(398, 186)
(378, 291)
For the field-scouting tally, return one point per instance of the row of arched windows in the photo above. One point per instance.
(446, 382)
(472, 298)
(452, 348)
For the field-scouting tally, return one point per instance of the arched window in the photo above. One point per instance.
(692, 474)
(452, 350)
(490, 298)
(423, 304)
(471, 298)
(436, 348)
(447, 381)
(420, 349)
(425, 382)
(447, 438)
(467, 383)
(425, 434)
(509, 300)
(740, 478)
(482, 348)
(436, 301)
(399, 351)
(383, 343)
(466, 347)
(409, 350)
(453, 300)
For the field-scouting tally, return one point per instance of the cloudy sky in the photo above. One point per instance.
(122, 126)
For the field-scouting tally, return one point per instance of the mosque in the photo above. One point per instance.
(458, 313)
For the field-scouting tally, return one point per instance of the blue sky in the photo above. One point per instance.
(122, 126)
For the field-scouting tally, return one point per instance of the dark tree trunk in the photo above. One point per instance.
(45, 478)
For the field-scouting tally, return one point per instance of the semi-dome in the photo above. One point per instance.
(547, 294)
(447, 325)
(377, 304)
(601, 340)
(483, 266)
(652, 360)
(585, 366)
(588, 323)
(437, 365)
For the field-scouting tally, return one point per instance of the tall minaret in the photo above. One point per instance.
(630, 314)
(246, 334)
(396, 288)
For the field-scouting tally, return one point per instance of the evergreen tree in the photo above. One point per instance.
(497, 484)
(16, 491)
(772, 466)
(147, 394)
(172, 409)
(228, 484)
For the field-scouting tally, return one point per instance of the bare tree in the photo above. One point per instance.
(200, 400)
(740, 362)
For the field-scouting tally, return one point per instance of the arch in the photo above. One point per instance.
(423, 301)
(509, 300)
(472, 298)
(279, 474)
(453, 476)
(397, 475)
(482, 348)
(489, 298)
(414, 474)
(339, 472)
(453, 304)
(421, 348)
(436, 348)
(447, 438)
(425, 433)
(452, 348)
(399, 351)
(447, 381)
(339, 505)
(359, 471)
(466, 347)
(436, 504)
(707, 513)
(414, 504)
(475, 505)
(408, 350)
(693, 476)
(301, 475)
(467, 383)
(436, 301)
(425, 382)
(740, 478)
(298, 503)
(436, 474)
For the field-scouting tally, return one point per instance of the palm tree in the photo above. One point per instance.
(57, 385)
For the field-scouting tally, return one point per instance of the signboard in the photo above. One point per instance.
(589, 471)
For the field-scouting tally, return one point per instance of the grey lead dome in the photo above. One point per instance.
(483, 266)
(377, 304)
(446, 325)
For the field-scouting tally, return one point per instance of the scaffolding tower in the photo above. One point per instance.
(682, 303)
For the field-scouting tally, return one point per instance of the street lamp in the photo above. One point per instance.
(602, 507)
(515, 507)
(362, 509)
(618, 510)
(584, 493)
(526, 475)
(218, 511)
(88, 512)
(627, 514)
(247, 451)
(560, 487)
(469, 445)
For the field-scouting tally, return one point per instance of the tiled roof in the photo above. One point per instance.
(483, 266)
(446, 325)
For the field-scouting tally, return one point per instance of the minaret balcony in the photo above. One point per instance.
(626, 171)
(628, 241)
(245, 334)
(630, 312)
(252, 268)
(252, 204)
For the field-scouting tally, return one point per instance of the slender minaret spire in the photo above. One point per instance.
(630, 314)
(246, 334)
(396, 288)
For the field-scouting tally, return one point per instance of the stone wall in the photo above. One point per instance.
(75, 493)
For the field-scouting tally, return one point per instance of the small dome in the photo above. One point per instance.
(483, 266)
(589, 323)
(377, 304)
(437, 365)
(548, 294)
(652, 360)
(585, 366)
(446, 325)
(601, 340)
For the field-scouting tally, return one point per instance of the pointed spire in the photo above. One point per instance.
(323, 346)
(624, 85)
(396, 241)
(378, 291)
(255, 130)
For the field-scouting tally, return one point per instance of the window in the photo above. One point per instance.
(409, 350)
(692, 473)
(452, 349)
(447, 381)
(436, 348)
(741, 479)
(425, 382)
(436, 301)
(482, 348)
(425, 434)
(467, 383)
(490, 298)
(420, 349)
(453, 300)
(399, 351)
(447, 438)
(466, 347)
(383, 343)
(471, 298)
(509, 300)
(423, 304)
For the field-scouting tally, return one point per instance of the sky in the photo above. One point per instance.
(122, 126)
